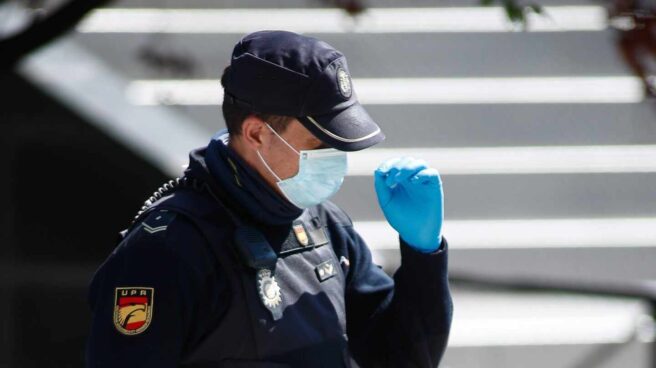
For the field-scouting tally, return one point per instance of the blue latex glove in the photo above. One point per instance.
(410, 195)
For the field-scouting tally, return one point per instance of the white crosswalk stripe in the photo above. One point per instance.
(374, 20)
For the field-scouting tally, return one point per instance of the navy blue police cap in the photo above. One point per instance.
(284, 73)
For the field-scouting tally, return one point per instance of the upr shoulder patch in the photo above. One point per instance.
(133, 309)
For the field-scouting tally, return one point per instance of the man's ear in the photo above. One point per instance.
(253, 132)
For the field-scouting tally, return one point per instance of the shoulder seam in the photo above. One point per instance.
(341, 215)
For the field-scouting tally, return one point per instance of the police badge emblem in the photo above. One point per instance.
(133, 309)
(268, 289)
(344, 82)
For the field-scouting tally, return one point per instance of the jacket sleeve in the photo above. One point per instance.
(402, 321)
(169, 261)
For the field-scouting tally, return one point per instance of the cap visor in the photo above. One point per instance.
(351, 129)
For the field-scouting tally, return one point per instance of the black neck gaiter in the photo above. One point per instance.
(245, 185)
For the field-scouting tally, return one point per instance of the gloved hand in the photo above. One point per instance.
(410, 195)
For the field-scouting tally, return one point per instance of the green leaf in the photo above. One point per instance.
(536, 8)
(513, 11)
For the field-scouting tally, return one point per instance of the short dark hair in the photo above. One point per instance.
(234, 115)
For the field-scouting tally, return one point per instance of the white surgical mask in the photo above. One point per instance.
(320, 174)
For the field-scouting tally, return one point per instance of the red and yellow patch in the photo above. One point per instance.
(133, 309)
(301, 235)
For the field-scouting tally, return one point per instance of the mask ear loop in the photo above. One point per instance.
(282, 139)
(267, 165)
(262, 158)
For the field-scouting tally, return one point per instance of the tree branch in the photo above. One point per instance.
(43, 31)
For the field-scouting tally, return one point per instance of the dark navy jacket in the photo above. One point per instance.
(402, 321)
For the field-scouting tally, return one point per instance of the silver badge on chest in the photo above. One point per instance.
(269, 289)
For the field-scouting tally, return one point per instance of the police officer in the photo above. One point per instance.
(243, 262)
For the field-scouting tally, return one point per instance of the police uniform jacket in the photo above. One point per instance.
(177, 291)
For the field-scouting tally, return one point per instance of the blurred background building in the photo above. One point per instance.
(544, 132)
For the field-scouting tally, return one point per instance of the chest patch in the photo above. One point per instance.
(325, 270)
(133, 309)
(301, 235)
